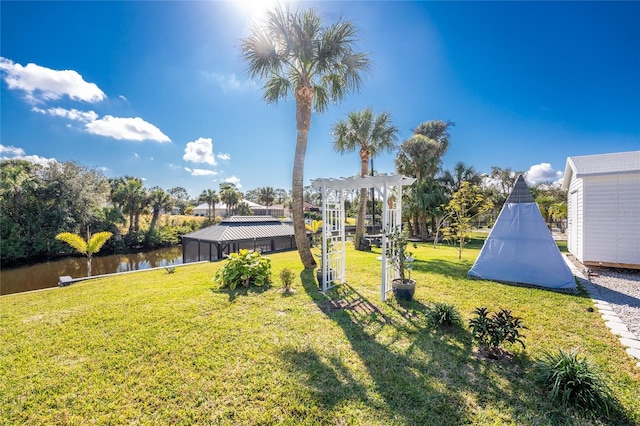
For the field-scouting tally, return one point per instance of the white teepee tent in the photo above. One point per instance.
(520, 248)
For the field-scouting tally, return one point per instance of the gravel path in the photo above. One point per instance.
(621, 288)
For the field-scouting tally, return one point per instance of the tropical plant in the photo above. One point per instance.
(401, 259)
(369, 134)
(159, 200)
(267, 196)
(244, 268)
(295, 52)
(230, 196)
(287, 276)
(420, 157)
(210, 197)
(572, 380)
(492, 331)
(461, 172)
(444, 315)
(88, 248)
(465, 204)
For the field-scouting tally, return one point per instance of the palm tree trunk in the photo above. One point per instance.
(362, 206)
(304, 99)
(154, 219)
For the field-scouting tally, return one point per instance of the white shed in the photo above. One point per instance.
(604, 209)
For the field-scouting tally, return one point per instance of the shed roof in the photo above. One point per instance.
(242, 228)
(601, 164)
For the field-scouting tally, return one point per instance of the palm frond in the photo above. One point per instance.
(276, 88)
(74, 240)
(97, 241)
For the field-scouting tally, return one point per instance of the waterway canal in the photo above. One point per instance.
(45, 275)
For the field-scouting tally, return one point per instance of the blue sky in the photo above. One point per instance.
(157, 89)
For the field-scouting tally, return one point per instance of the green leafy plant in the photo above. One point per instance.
(87, 247)
(492, 331)
(444, 315)
(244, 268)
(397, 253)
(287, 276)
(570, 379)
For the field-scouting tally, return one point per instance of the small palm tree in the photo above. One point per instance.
(210, 197)
(267, 196)
(295, 52)
(87, 248)
(371, 135)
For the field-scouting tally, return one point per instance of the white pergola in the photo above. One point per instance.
(334, 192)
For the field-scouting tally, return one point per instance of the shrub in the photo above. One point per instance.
(244, 268)
(444, 315)
(573, 380)
(491, 332)
(287, 276)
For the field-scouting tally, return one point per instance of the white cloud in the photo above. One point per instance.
(234, 180)
(18, 154)
(543, 172)
(124, 98)
(41, 83)
(71, 114)
(223, 156)
(201, 172)
(200, 151)
(11, 150)
(135, 154)
(134, 129)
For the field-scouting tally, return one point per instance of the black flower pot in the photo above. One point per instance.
(403, 289)
(319, 276)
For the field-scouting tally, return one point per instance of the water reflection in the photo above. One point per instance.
(45, 275)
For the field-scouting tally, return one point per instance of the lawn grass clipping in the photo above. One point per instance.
(159, 348)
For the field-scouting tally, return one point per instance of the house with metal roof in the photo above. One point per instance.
(603, 220)
(256, 209)
(261, 233)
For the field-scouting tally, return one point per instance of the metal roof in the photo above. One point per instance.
(601, 164)
(242, 228)
(520, 192)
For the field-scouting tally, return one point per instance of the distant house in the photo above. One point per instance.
(256, 209)
(604, 209)
(260, 233)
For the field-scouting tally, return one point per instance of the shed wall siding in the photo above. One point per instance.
(575, 224)
(611, 218)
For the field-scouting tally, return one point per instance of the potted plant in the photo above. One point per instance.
(401, 259)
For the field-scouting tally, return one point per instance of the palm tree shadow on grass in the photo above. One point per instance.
(422, 374)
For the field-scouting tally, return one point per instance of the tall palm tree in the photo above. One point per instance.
(297, 53)
(267, 196)
(452, 179)
(370, 135)
(420, 156)
(210, 197)
(159, 199)
(230, 196)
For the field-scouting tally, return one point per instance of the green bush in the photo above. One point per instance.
(491, 332)
(572, 380)
(287, 276)
(444, 315)
(244, 268)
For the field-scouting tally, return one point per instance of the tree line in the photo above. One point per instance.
(39, 202)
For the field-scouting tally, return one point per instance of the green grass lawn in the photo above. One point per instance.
(160, 348)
